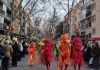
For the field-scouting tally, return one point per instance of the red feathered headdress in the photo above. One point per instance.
(76, 40)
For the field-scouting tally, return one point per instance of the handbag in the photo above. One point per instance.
(91, 60)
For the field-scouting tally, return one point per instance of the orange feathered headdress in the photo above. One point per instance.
(32, 44)
(65, 38)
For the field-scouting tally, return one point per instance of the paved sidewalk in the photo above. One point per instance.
(22, 65)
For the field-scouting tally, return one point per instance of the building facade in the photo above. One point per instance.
(85, 17)
(12, 19)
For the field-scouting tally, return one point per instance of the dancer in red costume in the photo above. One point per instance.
(77, 54)
(46, 53)
(65, 51)
(32, 56)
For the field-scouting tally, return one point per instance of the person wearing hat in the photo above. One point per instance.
(1, 52)
(8, 51)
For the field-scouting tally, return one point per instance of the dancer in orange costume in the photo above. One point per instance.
(46, 53)
(32, 56)
(65, 51)
(77, 54)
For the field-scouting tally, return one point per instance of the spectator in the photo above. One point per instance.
(96, 56)
(1, 53)
(8, 51)
(15, 54)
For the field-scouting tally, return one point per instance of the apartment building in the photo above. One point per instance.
(16, 26)
(5, 15)
(85, 18)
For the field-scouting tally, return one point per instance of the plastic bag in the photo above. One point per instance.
(91, 60)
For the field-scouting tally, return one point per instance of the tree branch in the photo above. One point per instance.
(33, 6)
(23, 8)
(19, 5)
(26, 5)
(31, 10)
(37, 12)
(63, 7)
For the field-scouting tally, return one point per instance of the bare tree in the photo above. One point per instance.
(17, 10)
(67, 5)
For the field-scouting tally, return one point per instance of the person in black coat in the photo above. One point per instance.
(96, 56)
(1, 54)
(1, 50)
(15, 54)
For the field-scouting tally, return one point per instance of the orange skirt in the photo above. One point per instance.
(32, 59)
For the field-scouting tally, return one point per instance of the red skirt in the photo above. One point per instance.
(78, 59)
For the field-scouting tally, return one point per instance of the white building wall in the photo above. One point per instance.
(96, 24)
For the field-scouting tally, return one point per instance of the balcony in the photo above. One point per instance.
(1, 8)
(88, 11)
(88, 22)
(82, 24)
(8, 16)
(7, 3)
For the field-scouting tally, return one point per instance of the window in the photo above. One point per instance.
(90, 35)
(93, 6)
(86, 1)
(74, 26)
(94, 30)
(74, 19)
(83, 34)
(83, 25)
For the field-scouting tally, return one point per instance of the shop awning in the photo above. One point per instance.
(13, 34)
(3, 32)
